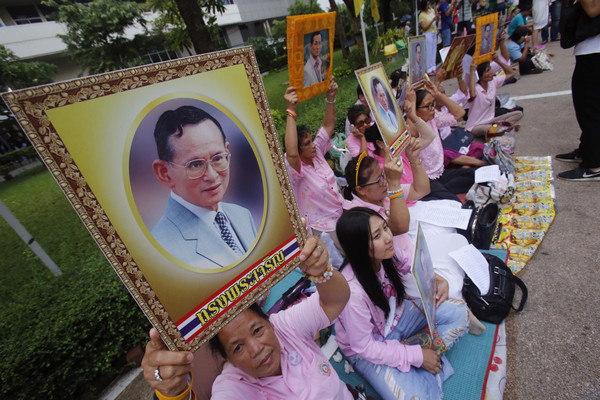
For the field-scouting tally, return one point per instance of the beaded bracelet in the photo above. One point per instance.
(393, 192)
(186, 394)
(397, 195)
(329, 102)
(323, 278)
(291, 113)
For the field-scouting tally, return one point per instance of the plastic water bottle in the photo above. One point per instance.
(492, 132)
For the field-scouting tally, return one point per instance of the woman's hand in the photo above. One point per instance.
(314, 257)
(413, 149)
(441, 290)
(393, 168)
(473, 67)
(431, 361)
(432, 88)
(173, 366)
(291, 98)
(440, 75)
(410, 104)
(332, 91)
(355, 132)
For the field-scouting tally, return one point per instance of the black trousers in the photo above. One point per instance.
(452, 182)
(527, 65)
(585, 86)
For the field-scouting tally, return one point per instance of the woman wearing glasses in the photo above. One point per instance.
(314, 183)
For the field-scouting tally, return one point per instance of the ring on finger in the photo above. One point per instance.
(320, 248)
(157, 375)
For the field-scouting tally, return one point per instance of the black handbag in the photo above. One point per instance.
(497, 303)
(483, 225)
(575, 25)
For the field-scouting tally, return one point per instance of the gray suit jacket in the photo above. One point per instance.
(310, 76)
(191, 241)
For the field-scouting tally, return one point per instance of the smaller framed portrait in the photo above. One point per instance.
(422, 270)
(388, 116)
(179, 177)
(310, 52)
(455, 55)
(485, 37)
(417, 57)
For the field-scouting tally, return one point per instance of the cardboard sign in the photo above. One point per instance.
(176, 171)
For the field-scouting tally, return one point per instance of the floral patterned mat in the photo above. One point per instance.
(526, 220)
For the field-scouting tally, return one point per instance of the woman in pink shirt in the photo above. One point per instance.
(379, 316)
(315, 187)
(269, 357)
(482, 112)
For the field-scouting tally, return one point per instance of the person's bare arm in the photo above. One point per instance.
(329, 118)
(420, 186)
(334, 292)
(399, 219)
(507, 68)
(461, 82)
(503, 49)
(591, 7)
(440, 97)
(524, 53)
(468, 161)
(291, 135)
(472, 91)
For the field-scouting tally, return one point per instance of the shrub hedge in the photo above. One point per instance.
(64, 338)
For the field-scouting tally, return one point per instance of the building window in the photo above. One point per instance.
(161, 55)
(25, 15)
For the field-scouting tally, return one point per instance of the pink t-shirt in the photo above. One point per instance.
(444, 120)
(365, 323)
(483, 107)
(315, 188)
(353, 145)
(432, 156)
(305, 371)
(402, 241)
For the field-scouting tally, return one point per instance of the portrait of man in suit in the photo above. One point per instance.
(315, 68)
(418, 68)
(385, 109)
(197, 227)
(486, 39)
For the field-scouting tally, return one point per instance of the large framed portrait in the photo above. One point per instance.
(310, 52)
(176, 170)
(388, 116)
(485, 37)
(417, 61)
(455, 55)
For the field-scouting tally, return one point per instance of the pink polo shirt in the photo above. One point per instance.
(353, 145)
(483, 107)
(365, 323)
(432, 156)
(315, 188)
(305, 371)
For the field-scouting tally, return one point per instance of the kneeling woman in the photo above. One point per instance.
(373, 346)
(268, 357)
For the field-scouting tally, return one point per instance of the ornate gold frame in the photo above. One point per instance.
(480, 23)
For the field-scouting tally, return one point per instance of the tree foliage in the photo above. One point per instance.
(299, 7)
(97, 36)
(170, 21)
(17, 74)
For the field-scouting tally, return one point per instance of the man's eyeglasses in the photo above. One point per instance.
(431, 106)
(379, 181)
(196, 168)
(359, 124)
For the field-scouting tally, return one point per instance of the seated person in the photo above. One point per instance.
(314, 183)
(517, 49)
(271, 357)
(445, 183)
(376, 272)
(482, 113)
(525, 7)
(361, 101)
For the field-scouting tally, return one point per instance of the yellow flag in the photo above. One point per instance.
(358, 6)
(374, 10)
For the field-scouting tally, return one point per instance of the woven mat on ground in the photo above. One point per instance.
(527, 219)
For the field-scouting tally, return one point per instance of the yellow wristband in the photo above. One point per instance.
(182, 396)
(399, 194)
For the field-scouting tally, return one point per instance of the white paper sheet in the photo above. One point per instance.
(452, 217)
(475, 266)
(491, 173)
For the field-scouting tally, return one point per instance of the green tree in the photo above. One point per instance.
(182, 31)
(96, 37)
(17, 74)
(299, 7)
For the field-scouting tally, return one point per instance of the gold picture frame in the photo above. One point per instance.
(485, 37)
(455, 55)
(382, 102)
(308, 78)
(95, 135)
